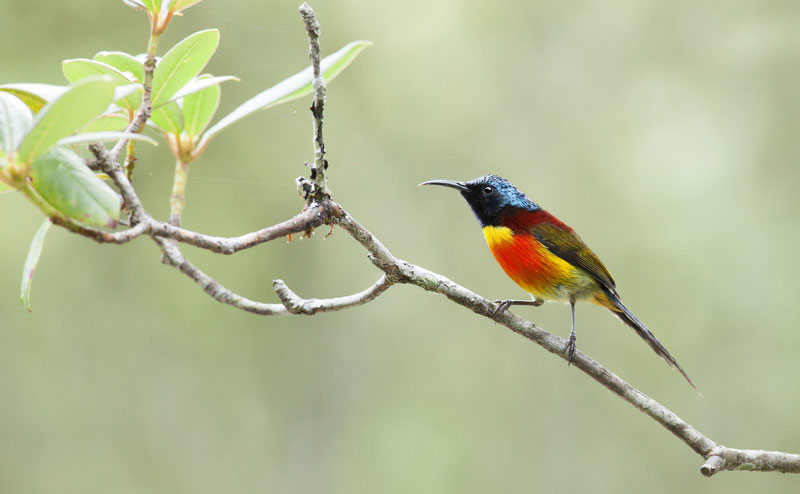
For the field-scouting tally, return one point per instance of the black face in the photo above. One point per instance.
(488, 196)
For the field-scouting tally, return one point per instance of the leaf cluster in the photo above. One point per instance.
(45, 129)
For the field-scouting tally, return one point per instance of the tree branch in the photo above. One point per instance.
(173, 256)
(291, 302)
(146, 108)
(717, 457)
(754, 460)
(297, 305)
(107, 163)
(318, 190)
(101, 236)
(304, 222)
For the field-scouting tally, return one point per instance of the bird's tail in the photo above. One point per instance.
(619, 310)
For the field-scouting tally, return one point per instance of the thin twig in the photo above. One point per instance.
(146, 108)
(177, 200)
(108, 164)
(292, 304)
(173, 256)
(320, 190)
(297, 305)
(102, 236)
(722, 458)
(304, 222)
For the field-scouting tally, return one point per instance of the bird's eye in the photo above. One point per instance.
(488, 190)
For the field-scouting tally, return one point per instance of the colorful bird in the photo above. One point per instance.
(545, 256)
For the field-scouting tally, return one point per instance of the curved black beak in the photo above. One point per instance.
(448, 183)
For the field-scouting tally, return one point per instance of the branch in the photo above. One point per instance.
(319, 190)
(755, 460)
(717, 457)
(297, 305)
(173, 256)
(101, 236)
(292, 304)
(304, 222)
(146, 108)
(107, 163)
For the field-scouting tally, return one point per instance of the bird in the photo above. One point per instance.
(545, 257)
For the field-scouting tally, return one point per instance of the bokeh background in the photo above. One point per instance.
(664, 132)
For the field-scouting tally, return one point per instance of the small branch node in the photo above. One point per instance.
(289, 299)
(714, 463)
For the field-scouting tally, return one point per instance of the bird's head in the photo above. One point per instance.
(489, 196)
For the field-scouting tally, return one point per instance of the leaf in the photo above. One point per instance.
(124, 62)
(34, 253)
(5, 188)
(104, 136)
(71, 111)
(151, 5)
(182, 63)
(179, 5)
(78, 69)
(127, 90)
(35, 95)
(331, 67)
(107, 122)
(15, 121)
(199, 109)
(294, 87)
(168, 118)
(200, 83)
(135, 4)
(63, 180)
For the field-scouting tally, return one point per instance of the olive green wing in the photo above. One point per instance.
(567, 245)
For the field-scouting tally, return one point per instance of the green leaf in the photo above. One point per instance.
(103, 137)
(331, 67)
(179, 5)
(71, 111)
(80, 68)
(63, 180)
(15, 121)
(124, 62)
(35, 95)
(127, 90)
(199, 109)
(34, 253)
(107, 122)
(182, 63)
(5, 188)
(135, 4)
(151, 5)
(201, 82)
(168, 118)
(294, 87)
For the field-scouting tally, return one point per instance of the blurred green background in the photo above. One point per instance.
(664, 132)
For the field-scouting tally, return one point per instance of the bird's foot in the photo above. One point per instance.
(502, 306)
(569, 349)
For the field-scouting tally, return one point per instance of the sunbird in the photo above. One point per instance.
(544, 256)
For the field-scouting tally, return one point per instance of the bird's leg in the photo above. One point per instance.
(503, 305)
(569, 348)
